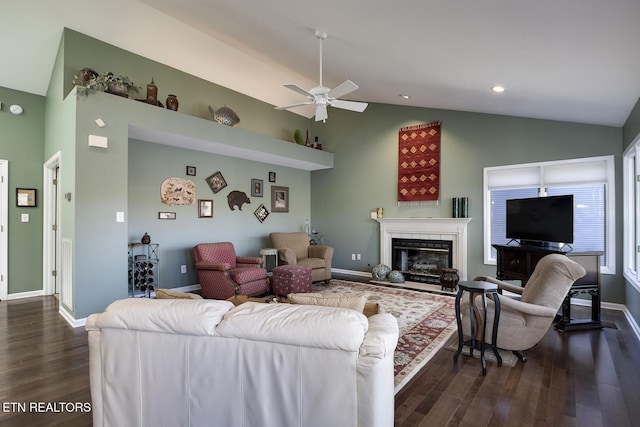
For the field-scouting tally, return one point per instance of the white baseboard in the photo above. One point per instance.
(351, 272)
(29, 294)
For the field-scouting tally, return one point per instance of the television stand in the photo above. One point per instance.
(518, 263)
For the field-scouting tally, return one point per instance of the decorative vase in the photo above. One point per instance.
(449, 278)
(118, 89)
(172, 102)
(152, 93)
(395, 277)
(146, 239)
(86, 74)
(380, 272)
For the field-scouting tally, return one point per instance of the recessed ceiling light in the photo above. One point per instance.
(498, 89)
(404, 96)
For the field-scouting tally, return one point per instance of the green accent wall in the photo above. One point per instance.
(365, 173)
(21, 144)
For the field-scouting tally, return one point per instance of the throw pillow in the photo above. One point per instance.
(171, 294)
(352, 301)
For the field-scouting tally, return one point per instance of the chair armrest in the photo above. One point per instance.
(501, 285)
(248, 260)
(319, 251)
(220, 266)
(287, 256)
(525, 307)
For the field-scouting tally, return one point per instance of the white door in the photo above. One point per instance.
(4, 203)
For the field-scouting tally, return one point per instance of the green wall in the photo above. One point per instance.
(365, 173)
(102, 184)
(21, 144)
(150, 164)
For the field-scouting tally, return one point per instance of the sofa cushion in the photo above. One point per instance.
(163, 315)
(162, 293)
(353, 301)
(301, 325)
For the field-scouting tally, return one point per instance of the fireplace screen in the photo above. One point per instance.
(421, 260)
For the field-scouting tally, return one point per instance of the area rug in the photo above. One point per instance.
(426, 322)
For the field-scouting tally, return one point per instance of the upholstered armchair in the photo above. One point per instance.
(525, 320)
(294, 249)
(222, 274)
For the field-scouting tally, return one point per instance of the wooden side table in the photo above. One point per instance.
(482, 288)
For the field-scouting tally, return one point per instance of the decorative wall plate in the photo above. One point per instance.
(177, 191)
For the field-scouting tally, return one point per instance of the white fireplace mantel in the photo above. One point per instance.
(451, 229)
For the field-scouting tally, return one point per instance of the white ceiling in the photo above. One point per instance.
(570, 60)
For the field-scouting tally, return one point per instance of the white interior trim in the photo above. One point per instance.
(452, 229)
(51, 210)
(4, 228)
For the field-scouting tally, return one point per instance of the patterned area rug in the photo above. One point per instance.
(426, 322)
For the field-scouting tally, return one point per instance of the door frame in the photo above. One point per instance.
(51, 215)
(4, 229)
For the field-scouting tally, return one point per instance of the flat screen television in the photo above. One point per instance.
(541, 221)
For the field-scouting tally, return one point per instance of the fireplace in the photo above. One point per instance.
(450, 232)
(421, 260)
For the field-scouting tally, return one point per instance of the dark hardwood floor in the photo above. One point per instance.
(580, 378)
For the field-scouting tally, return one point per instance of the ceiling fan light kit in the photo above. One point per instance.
(322, 96)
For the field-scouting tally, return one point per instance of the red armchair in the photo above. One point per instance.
(222, 274)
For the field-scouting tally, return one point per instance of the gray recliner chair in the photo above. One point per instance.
(525, 320)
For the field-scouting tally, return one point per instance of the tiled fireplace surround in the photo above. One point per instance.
(451, 229)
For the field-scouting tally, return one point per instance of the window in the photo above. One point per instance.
(590, 180)
(631, 189)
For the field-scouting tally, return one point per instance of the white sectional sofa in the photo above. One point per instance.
(208, 363)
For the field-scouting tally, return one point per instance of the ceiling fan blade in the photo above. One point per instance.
(286, 107)
(349, 105)
(298, 89)
(321, 112)
(342, 89)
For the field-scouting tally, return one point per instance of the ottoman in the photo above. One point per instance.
(291, 279)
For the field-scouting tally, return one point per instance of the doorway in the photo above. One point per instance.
(51, 225)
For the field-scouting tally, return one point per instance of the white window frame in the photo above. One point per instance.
(594, 170)
(631, 210)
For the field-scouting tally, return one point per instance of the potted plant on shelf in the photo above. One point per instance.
(106, 82)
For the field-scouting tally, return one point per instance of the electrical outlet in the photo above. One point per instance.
(359, 257)
(183, 269)
(353, 257)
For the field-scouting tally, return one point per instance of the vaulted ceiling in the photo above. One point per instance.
(570, 60)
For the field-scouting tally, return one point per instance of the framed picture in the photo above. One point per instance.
(205, 208)
(272, 177)
(256, 187)
(261, 213)
(166, 215)
(279, 199)
(26, 197)
(191, 171)
(216, 182)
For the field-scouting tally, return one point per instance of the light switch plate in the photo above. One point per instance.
(24, 217)
(119, 216)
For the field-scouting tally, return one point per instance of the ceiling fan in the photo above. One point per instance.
(322, 96)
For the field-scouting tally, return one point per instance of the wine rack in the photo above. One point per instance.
(143, 269)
